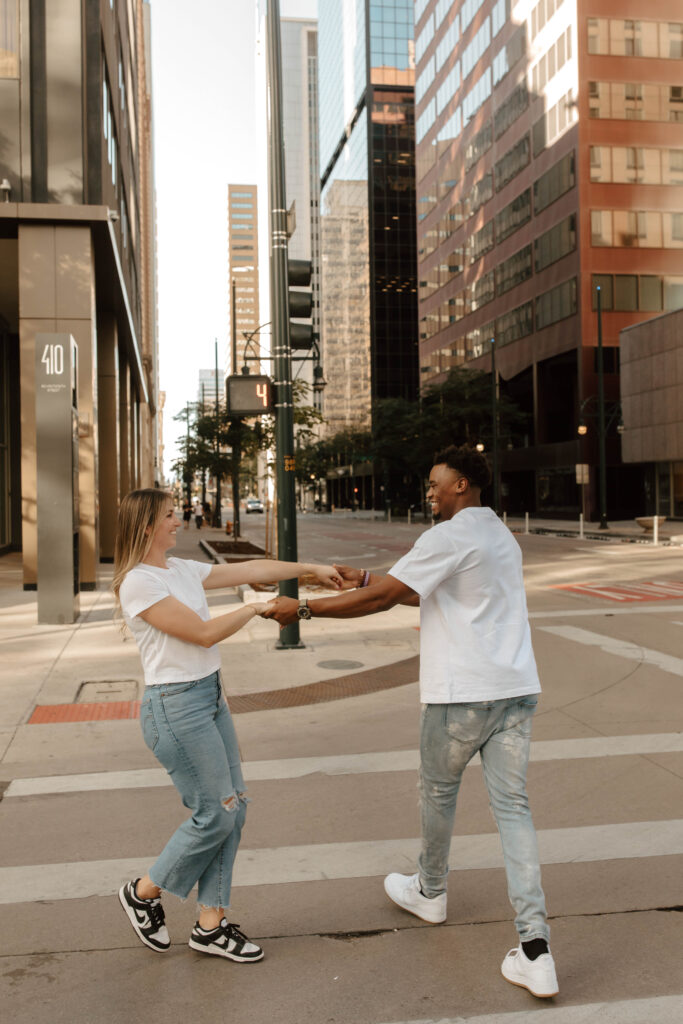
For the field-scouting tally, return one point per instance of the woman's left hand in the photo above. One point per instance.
(327, 575)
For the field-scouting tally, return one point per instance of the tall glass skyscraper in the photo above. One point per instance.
(367, 206)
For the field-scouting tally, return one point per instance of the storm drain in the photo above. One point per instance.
(106, 691)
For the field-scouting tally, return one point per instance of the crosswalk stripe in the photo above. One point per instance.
(656, 1010)
(346, 764)
(621, 648)
(364, 859)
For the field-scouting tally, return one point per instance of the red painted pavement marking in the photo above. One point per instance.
(654, 590)
(45, 714)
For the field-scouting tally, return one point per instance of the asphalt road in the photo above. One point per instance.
(334, 808)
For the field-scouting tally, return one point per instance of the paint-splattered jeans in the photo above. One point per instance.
(500, 731)
(189, 729)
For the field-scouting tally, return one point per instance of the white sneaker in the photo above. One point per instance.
(538, 975)
(405, 891)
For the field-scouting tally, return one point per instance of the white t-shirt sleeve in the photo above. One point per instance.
(201, 569)
(432, 559)
(139, 591)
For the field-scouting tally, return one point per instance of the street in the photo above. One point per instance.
(334, 808)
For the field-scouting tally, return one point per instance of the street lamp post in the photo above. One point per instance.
(217, 445)
(494, 427)
(601, 422)
(284, 413)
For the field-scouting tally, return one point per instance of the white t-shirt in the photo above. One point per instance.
(166, 659)
(475, 641)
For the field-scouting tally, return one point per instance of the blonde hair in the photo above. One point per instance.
(139, 515)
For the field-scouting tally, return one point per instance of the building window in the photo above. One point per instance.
(9, 39)
(512, 162)
(513, 271)
(557, 180)
(628, 38)
(556, 243)
(556, 304)
(625, 292)
(512, 216)
(511, 108)
(518, 323)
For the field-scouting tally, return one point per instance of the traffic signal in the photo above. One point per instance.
(249, 396)
(300, 303)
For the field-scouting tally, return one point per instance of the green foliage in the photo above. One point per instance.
(406, 435)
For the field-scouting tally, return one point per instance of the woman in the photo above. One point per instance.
(185, 718)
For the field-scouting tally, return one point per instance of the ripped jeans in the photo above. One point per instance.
(189, 729)
(500, 731)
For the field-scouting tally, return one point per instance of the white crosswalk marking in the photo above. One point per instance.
(658, 1010)
(621, 648)
(347, 764)
(322, 861)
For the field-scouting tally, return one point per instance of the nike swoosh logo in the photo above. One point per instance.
(140, 918)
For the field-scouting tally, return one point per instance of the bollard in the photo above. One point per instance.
(409, 520)
(388, 515)
(580, 525)
(526, 522)
(655, 531)
(505, 518)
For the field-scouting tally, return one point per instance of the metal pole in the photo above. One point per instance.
(188, 481)
(204, 467)
(494, 426)
(279, 297)
(217, 510)
(601, 422)
(233, 327)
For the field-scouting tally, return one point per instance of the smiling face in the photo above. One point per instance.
(447, 492)
(164, 536)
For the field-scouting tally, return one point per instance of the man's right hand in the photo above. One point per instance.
(351, 577)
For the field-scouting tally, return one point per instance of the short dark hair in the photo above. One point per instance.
(466, 461)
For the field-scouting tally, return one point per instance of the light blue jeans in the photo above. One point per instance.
(500, 731)
(189, 729)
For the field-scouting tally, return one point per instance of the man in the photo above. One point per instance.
(478, 687)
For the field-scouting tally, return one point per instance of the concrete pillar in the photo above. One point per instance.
(125, 480)
(108, 431)
(57, 295)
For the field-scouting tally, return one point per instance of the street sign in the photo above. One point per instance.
(582, 473)
(249, 395)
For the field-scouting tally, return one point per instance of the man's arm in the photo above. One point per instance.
(378, 597)
(355, 577)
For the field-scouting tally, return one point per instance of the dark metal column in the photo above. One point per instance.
(601, 422)
(279, 299)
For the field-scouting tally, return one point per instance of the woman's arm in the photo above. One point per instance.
(269, 570)
(175, 618)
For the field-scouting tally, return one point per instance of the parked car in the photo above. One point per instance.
(253, 505)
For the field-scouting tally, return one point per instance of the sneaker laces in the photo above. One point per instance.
(156, 914)
(233, 932)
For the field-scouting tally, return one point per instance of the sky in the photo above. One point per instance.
(205, 136)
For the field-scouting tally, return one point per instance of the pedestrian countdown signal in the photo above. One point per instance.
(249, 395)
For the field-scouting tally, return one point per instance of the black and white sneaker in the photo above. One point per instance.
(146, 916)
(226, 940)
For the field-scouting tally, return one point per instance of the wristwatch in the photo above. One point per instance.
(303, 611)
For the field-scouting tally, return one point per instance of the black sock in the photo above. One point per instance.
(534, 948)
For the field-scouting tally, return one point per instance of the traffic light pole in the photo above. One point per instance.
(279, 299)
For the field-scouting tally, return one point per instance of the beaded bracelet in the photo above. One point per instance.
(366, 577)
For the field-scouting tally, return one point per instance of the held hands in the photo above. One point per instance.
(328, 575)
(351, 577)
(282, 609)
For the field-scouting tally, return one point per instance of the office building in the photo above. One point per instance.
(549, 165)
(210, 384)
(243, 270)
(77, 254)
(367, 213)
(299, 39)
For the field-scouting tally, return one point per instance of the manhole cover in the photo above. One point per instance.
(340, 664)
(101, 691)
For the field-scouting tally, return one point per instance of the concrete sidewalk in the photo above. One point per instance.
(49, 665)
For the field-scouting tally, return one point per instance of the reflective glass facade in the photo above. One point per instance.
(529, 187)
(367, 206)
